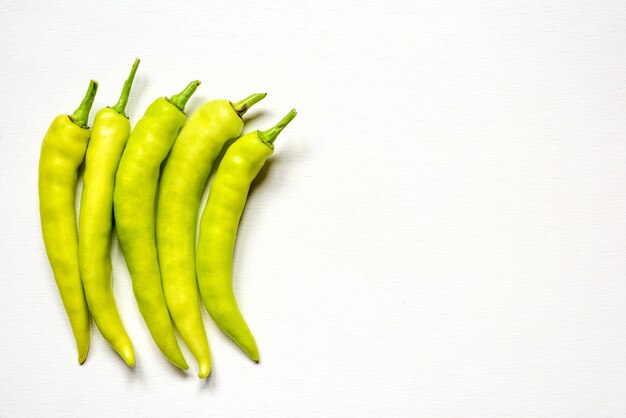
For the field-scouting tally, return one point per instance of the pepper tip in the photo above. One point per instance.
(204, 371)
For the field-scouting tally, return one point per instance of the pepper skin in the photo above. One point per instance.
(134, 207)
(109, 134)
(180, 190)
(218, 230)
(62, 153)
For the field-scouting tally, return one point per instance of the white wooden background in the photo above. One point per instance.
(441, 232)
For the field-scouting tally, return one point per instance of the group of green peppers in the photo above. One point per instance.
(155, 216)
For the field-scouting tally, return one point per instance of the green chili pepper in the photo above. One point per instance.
(62, 153)
(134, 208)
(180, 191)
(218, 230)
(109, 134)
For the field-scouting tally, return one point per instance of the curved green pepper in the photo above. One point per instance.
(134, 207)
(109, 134)
(218, 230)
(180, 190)
(62, 152)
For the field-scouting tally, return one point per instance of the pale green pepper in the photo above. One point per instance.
(218, 230)
(109, 134)
(62, 152)
(134, 207)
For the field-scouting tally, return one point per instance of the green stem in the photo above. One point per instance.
(242, 106)
(120, 107)
(270, 135)
(180, 100)
(81, 114)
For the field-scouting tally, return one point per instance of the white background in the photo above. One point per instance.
(440, 233)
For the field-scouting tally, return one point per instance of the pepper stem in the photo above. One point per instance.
(180, 100)
(270, 135)
(241, 107)
(81, 114)
(120, 107)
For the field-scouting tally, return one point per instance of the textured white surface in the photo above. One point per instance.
(441, 231)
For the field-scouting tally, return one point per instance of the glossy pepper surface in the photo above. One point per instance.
(62, 153)
(109, 134)
(134, 208)
(180, 190)
(218, 230)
